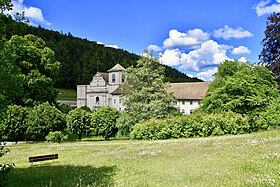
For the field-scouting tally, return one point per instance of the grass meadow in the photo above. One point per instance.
(66, 94)
(242, 160)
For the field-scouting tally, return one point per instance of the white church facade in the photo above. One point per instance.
(104, 90)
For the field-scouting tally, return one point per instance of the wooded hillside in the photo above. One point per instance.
(80, 58)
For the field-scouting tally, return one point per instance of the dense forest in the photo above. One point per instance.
(80, 58)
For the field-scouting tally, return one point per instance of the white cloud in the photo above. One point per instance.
(209, 54)
(240, 50)
(263, 7)
(190, 40)
(170, 57)
(227, 32)
(112, 46)
(109, 45)
(33, 14)
(242, 59)
(207, 75)
(154, 48)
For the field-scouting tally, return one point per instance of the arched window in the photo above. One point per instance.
(113, 78)
(97, 100)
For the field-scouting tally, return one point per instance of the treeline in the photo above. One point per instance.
(80, 59)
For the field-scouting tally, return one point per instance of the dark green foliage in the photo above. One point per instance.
(43, 119)
(56, 136)
(34, 66)
(5, 5)
(15, 122)
(86, 108)
(270, 55)
(64, 108)
(103, 122)
(270, 117)
(240, 87)
(78, 121)
(80, 58)
(196, 125)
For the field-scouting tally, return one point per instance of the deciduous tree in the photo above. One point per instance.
(145, 95)
(103, 122)
(240, 87)
(78, 121)
(270, 54)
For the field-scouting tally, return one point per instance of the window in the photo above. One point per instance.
(109, 100)
(120, 109)
(113, 78)
(191, 102)
(183, 111)
(183, 102)
(191, 111)
(198, 102)
(120, 101)
(97, 100)
(114, 100)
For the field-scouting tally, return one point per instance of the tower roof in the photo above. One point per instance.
(117, 67)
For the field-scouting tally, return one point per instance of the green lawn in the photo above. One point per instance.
(66, 94)
(243, 160)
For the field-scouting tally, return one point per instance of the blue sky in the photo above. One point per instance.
(193, 36)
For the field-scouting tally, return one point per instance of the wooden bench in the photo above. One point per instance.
(42, 158)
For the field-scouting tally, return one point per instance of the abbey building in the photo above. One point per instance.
(104, 90)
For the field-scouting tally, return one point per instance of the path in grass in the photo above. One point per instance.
(245, 160)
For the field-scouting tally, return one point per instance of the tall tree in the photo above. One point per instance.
(240, 87)
(270, 54)
(145, 95)
(5, 5)
(36, 66)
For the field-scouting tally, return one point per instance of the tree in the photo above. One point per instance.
(43, 119)
(78, 121)
(145, 95)
(240, 87)
(103, 122)
(5, 5)
(15, 122)
(36, 66)
(270, 55)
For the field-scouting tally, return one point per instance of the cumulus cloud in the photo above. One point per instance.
(242, 59)
(240, 50)
(263, 7)
(207, 75)
(190, 40)
(227, 33)
(170, 57)
(33, 14)
(154, 48)
(209, 54)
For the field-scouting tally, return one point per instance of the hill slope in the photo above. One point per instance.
(80, 58)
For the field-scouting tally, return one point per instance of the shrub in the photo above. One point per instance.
(4, 168)
(78, 122)
(56, 136)
(196, 125)
(103, 122)
(43, 119)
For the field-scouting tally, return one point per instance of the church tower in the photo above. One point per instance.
(116, 75)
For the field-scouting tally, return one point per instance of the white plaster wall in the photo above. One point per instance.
(185, 106)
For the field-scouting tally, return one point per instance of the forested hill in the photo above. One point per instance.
(80, 58)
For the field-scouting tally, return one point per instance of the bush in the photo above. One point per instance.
(43, 119)
(56, 136)
(103, 122)
(196, 125)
